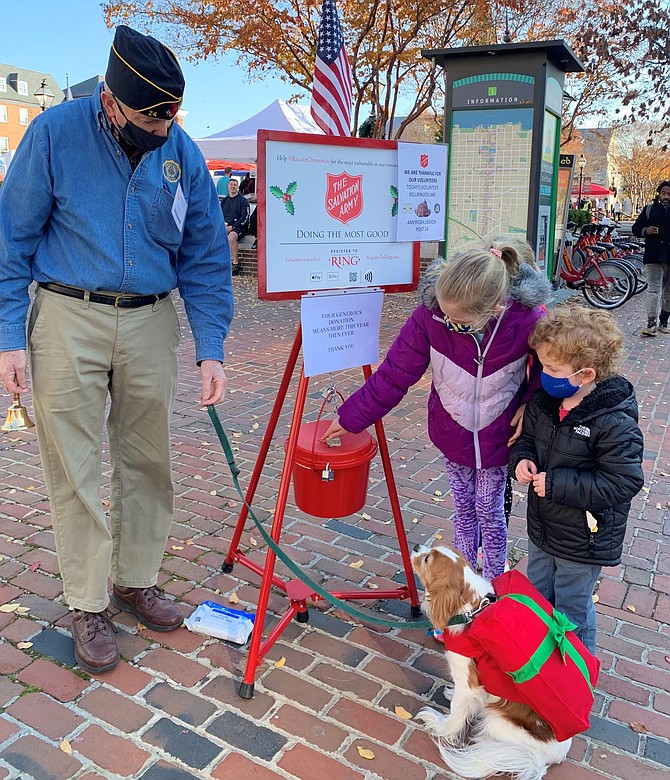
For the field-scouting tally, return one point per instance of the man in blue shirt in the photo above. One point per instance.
(222, 183)
(108, 206)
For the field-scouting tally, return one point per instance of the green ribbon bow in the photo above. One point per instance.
(557, 627)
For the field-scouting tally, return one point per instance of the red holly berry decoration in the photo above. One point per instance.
(286, 196)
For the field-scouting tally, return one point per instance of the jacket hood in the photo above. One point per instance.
(614, 394)
(530, 287)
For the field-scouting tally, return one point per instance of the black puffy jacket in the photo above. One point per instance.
(656, 247)
(593, 461)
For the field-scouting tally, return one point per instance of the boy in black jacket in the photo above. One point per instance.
(581, 453)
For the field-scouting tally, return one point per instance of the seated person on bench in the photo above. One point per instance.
(236, 216)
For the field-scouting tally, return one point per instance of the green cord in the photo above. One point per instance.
(283, 557)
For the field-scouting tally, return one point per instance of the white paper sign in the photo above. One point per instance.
(179, 207)
(422, 178)
(330, 218)
(340, 331)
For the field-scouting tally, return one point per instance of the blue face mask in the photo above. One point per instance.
(559, 387)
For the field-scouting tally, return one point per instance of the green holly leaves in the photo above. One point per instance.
(394, 195)
(286, 196)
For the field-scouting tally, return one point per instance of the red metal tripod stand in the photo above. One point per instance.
(296, 591)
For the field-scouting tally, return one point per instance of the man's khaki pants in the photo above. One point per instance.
(81, 353)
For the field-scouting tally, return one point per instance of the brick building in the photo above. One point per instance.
(18, 103)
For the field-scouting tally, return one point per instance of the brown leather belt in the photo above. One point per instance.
(119, 301)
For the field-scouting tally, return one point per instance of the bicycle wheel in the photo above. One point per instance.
(608, 285)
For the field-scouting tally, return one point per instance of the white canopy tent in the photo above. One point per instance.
(238, 142)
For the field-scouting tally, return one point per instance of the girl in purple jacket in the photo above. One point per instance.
(472, 327)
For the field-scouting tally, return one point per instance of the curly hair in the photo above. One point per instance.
(582, 338)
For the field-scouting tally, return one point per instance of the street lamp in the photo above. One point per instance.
(44, 95)
(582, 164)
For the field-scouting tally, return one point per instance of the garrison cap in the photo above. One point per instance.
(144, 74)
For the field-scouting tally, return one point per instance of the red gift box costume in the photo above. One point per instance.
(526, 652)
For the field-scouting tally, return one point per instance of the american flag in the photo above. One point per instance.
(331, 88)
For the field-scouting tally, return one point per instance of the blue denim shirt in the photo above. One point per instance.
(73, 211)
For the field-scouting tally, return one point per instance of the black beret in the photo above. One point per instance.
(144, 74)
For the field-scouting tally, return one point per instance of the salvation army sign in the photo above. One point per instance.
(327, 213)
(344, 197)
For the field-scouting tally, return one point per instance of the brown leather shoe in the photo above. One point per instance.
(94, 641)
(150, 606)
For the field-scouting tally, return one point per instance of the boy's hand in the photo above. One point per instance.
(517, 421)
(334, 432)
(525, 471)
(539, 483)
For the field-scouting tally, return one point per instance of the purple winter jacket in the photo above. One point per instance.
(476, 389)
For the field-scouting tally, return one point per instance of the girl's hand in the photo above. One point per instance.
(518, 421)
(334, 432)
(525, 471)
(539, 483)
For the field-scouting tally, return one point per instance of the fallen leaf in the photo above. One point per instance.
(9, 607)
(234, 598)
(630, 607)
(198, 476)
(438, 500)
(366, 516)
(415, 520)
(189, 541)
(639, 728)
(34, 566)
(253, 542)
(217, 591)
(24, 645)
(438, 492)
(356, 564)
(646, 489)
(595, 598)
(438, 536)
(280, 662)
(401, 712)
(31, 487)
(176, 547)
(372, 586)
(22, 610)
(388, 522)
(141, 627)
(255, 427)
(658, 506)
(236, 435)
(365, 753)
(66, 747)
(603, 755)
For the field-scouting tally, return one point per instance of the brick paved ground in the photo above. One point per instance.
(170, 711)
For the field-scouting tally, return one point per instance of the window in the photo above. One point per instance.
(3, 113)
(3, 84)
(23, 116)
(22, 87)
(4, 145)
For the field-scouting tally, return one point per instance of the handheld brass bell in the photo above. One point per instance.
(17, 417)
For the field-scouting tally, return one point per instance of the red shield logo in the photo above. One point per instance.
(344, 197)
(423, 162)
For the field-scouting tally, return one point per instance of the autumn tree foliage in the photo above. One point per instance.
(384, 38)
(639, 164)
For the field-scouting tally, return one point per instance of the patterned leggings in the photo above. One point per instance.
(479, 496)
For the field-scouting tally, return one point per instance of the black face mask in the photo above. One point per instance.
(139, 138)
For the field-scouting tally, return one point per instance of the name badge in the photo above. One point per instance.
(179, 207)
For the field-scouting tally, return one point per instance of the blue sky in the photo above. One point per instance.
(70, 36)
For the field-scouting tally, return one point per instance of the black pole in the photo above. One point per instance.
(581, 177)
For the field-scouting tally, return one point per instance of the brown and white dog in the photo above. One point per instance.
(483, 734)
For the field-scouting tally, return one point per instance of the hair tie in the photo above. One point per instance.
(495, 251)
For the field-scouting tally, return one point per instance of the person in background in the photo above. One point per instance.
(222, 183)
(108, 206)
(235, 209)
(653, 224)
(477, 311)
(580, 453)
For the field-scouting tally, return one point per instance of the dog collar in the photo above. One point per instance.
(463, 618)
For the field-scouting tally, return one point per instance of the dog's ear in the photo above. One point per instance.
(447, 591)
